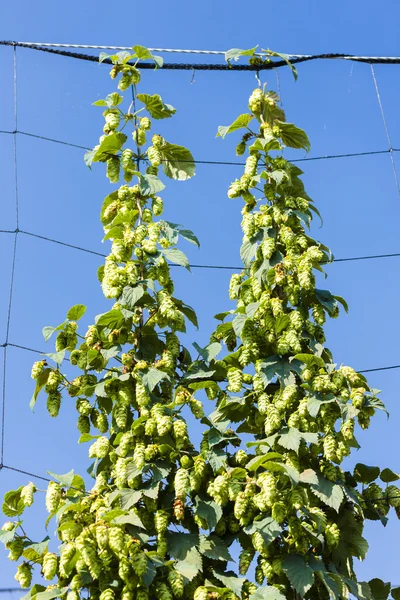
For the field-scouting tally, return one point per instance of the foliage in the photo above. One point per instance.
(162, 517)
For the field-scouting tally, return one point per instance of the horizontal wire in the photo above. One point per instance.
(213, 162)
(395, 497)
(6, 344)
(24, 472)
(273, 64)
(193, 266)
(91, 47)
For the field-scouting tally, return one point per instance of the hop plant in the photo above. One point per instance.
(276, 384)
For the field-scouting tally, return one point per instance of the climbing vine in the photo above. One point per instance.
(163, 518)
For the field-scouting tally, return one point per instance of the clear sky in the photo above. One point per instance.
(334, 101)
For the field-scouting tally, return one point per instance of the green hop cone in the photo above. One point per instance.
(176, 583)
(139, 563)
(107, 594)
(100, 448)
(50, 565)
(163, 592)
(113, 169)
(24, 575)
(37, 368)
(16, 548)
(83, 424)
(201, 593)
(53, 497)
(332, 535)
(154, 156)
(235, 379)
(161, 520)
(245, 558)
(181, 483)
(54, 403)
(139, 137)
(27, 494)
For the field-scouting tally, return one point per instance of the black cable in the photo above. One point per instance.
(213, 162)
(384, 60)
(193, 266)
(24, 472)
(5, 345)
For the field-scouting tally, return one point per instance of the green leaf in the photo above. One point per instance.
(327, 300)
(176, 256)
(150, 184)
(309, 476)
(258, 461)
(114, 233)
(88, 158)
(131, 519)
(13, 506)
(76, 312)
(330, 493)
(365, 474)
(236, 53)
(40, 383)
(156, 107)
(48, 330)
(7, 536)
(217, 459)
(293, 136)
(388, 476)
(238, 324)
(230, 581)
(191, 566)
(396, 593)
(64, 480)
(248, 250)
(314, 404)
(178, 162)
(252, 308)
(180, 544)
(213, 547)
(284, 369)
(379, 589)
(58, 357)
(267, 593)
(291, 438)
(299, 573)
(342, 302)
(113, 319)
(48, 595)
(153, 378)
(286, 58)
(241, 122)
(208, 510)
(142, 52)
(310, 360)
(209, 352)
(131, 295)
(110, 146)
(187, 311)
(189, 236)
(34, 552)
(268, 528)
(34, 590)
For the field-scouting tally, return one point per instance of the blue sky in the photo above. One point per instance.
(334, 101)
